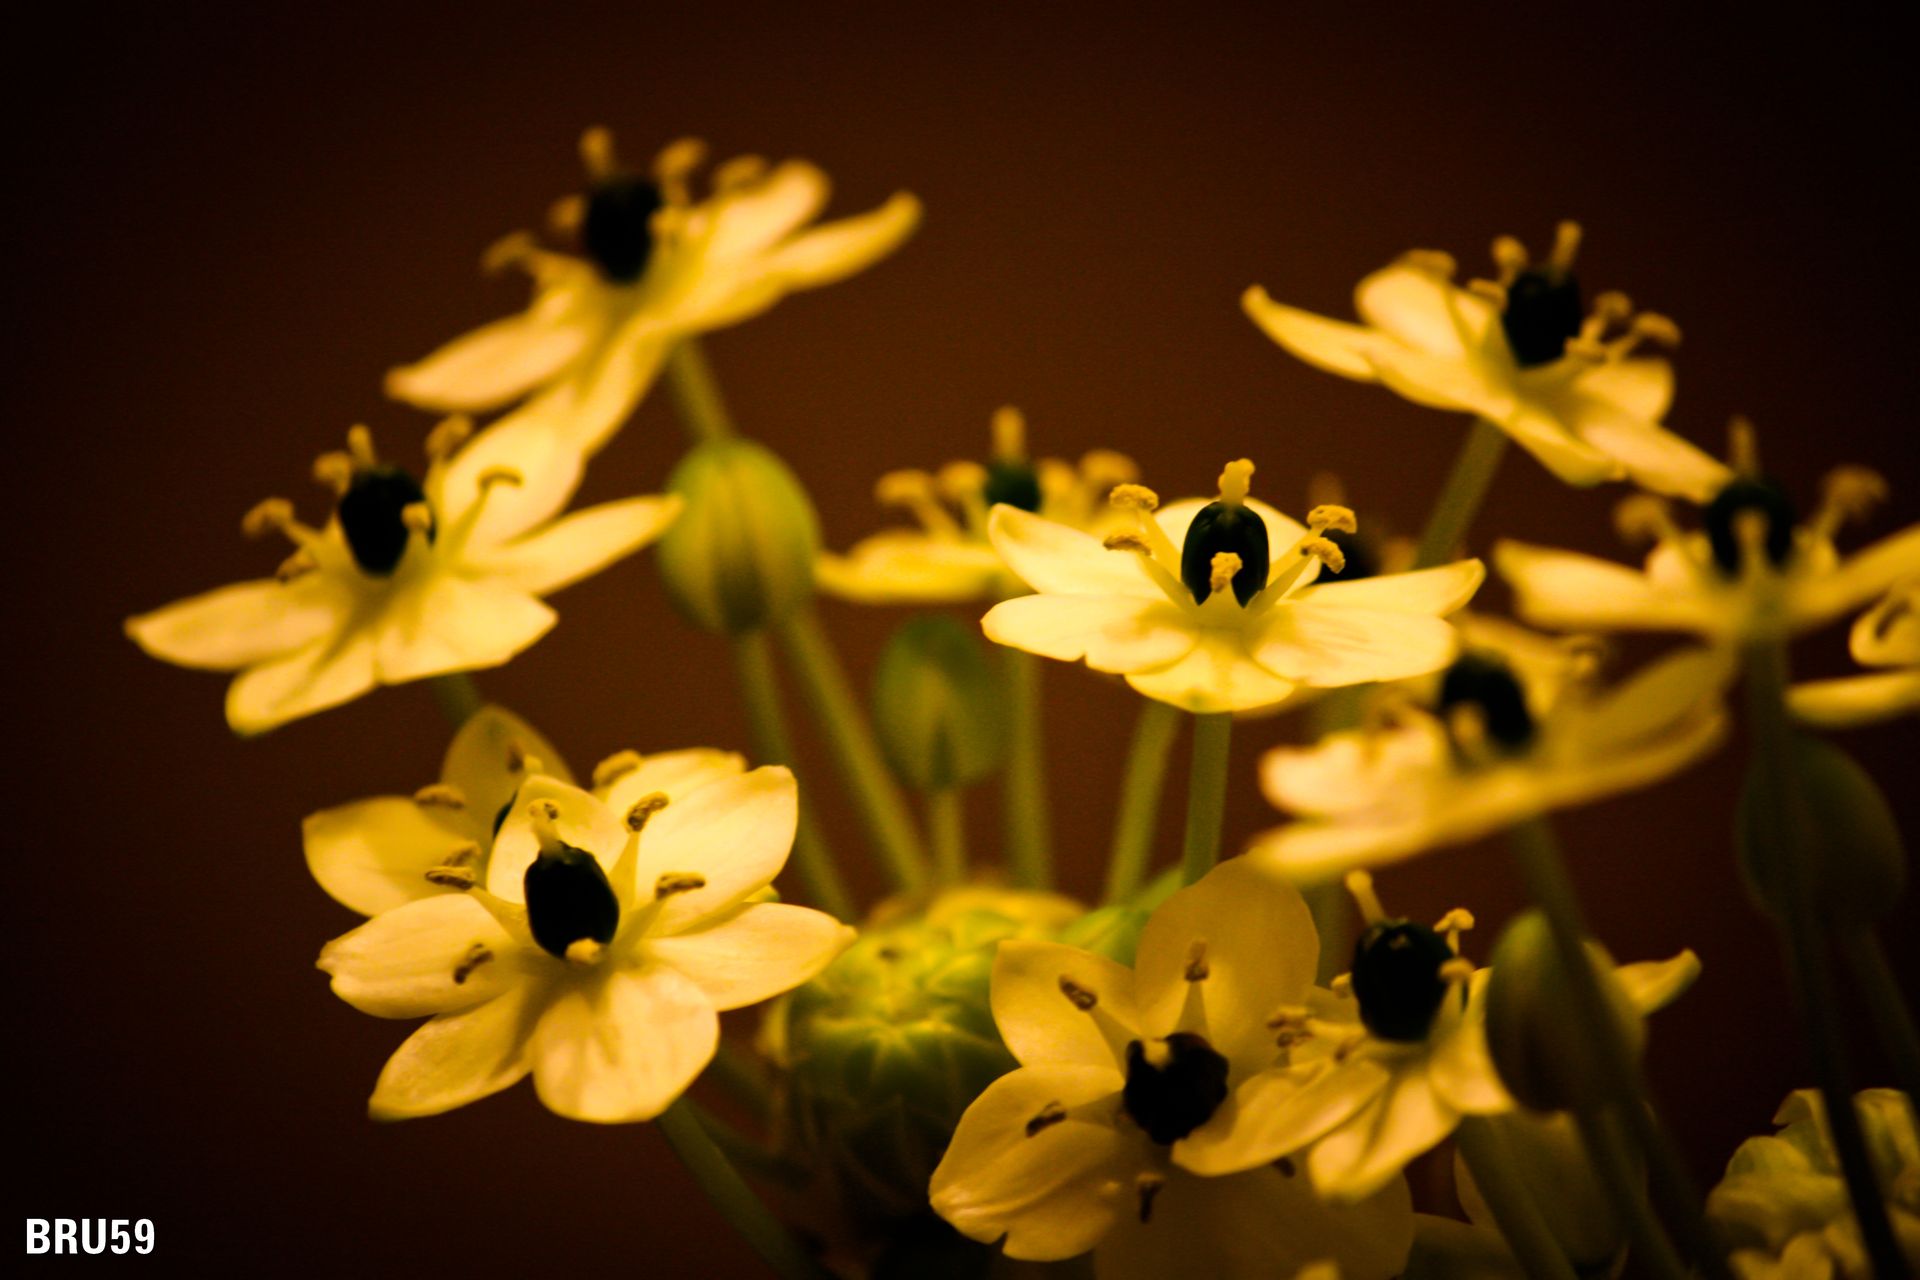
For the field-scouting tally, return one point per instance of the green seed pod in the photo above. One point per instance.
(1548, 1154)
(1539, 1045)
(741, 554)
(937, 705)
(1857, 860)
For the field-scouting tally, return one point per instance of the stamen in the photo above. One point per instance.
(1458, 969)
(1197, 968)
(1220, 573)
(299, 563)
(643, 810)
(1644, 518)
(417, 517)
(545, 813)
(360, 448)
(1849, 493)
(672, 167)
(1126, 542)
(1134, 497)
(272, 515)
(1453, 924)
(739, 172)
(1467, 727)
(1009, 435)
(596, 153)
(1102, 469)
(1331, 515)
(440, 795)
(567, 215)
(334, 469)
(672, 882)
(477, 955)
(585, 952)
(510, 250)
(1750, 531)
(1566, 245)
(1743, 450)
(1325, 550)
(500, 475)
(1360, 885)
(1236, 478)
(1437, 261)
(449, 877)
(1147, 1186)
(961, 482)
(447, 435)
(1510, 256)
(915, 491)
(1491, 290)
(1080, 997)
(615, 767)
(1047, 1117)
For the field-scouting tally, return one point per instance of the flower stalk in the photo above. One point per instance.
(1611, 1151)
(696, 393)
(1029, 824)
(1466, 488)
(1140, 788)
(457, 696)
(946, 825)
(1886, 1004)
(1206, 794)
(1506, 1194)
(731, 1195)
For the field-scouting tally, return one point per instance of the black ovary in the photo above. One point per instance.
(1219, 527)
(1542, 313)
(1396, 979)
(1482, 680)
(1171, 1101)
(568, 899)
(618, 229)
(371, 516)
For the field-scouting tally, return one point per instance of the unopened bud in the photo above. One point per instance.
(937, 705)
(1540, 1045)
(1856, 859)
(741, 554)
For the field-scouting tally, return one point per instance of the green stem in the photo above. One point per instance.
(1485, 1150)
(1206, 794)
(1159, 889)
(823, 683)
(1892, 1020)
(745, 1077)
(730, 1194)
(767, 726)
(1029, 826)
(949, 833)
(696, 395)
(457, 696)
(1466, 489)
(1140, 789)
(1611, 1152)
(1789, 826)
(1332, 908)
(1538, 855)
(747, 1155)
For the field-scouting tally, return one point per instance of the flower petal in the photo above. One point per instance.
(1333, 345)
(901, 566)
(244, 624)
(444, 623)
(491, 756)
(373, 855)
(544, 456)
(459, 1058)
(734, 832)
(1424, 310)
(1369, 1151)
(1054, 557)
(1461, 1064)
(420, 958)
(1888, 635)
(1043, 1026)
(672, 773)
(1356, 770)
(1570, 591)
(1681, 686)
(1655, 984)
(328, 672)
(754, 216)
(1850, 702)
(1543, 431)
(579, 545)
(1324, 643)
(622, 1046)
(1121, 633)
(1861, 577)
(754, 952)
(839, 249)
(1219, 675)
(504, 360)
(584, 823)
(1641, 387)
(1655, 458)
(1279, 1114)
(1438, 591)
(1045, 1187)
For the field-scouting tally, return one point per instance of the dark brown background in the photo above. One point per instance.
(228, 223)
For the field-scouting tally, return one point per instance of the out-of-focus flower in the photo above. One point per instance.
(949, 559)
(1515, 728)
(653, 266)
(1887, 635)
(1519, 351)
(1195, 608)
(596, 957)
(408, 579)
(1783, 1203)
(1123, 1071)
(740, 557)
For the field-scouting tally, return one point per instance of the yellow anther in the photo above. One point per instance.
(545, 814)
(1047, 1117)
(360, 447)
(1134, 497)
(1325, 550)
(1644, 518)
(585, 952)
(1611, 307)
(1458, 920)
(674, 165)
(1078, 996)
(642, 810)
(517, 756)
(1492, 290)
(615, 767)
(448, 877)
(739, 172)
(597, 154)
(296, 565)
(905, 488)
(417, 516)
(447, 435)
(440, 795)
(1458, 969)
(1510, 256)
(1220, 573)
(509, 251)
(672, 882)
(1342, 985)
(1851, 493)
(1566, 245)
(1236, 478)
(334, 469)
(1437, 261)
(961, 482)
(567, 215)
(1655, 327)
(477, 955)
(1104, 468)
(1198, 970)
(1126, 542)
(1360, 885)
(1743, 449)
(1330, 515)
(499, 475)
(1009, 435)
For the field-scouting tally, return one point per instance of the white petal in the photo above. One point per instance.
(1122, 633)
(1050, 556)
(753, 217)
(1441, 382)
(1042, 1026)
(839, 249)
(325, 674)
(1328, 644)
(482, 758)
(1888, 635)
(1333, 345)
(1279, 1114)
(244, 624)
(579, 545)
(1655, 984)
(1679, 687)
(1571, 591)
(1282, 531)
(501, 361)
(1542, 431)
(1861, 577)
(1052, 1190)
(541, 452)
(1656, 459)
(623, 1045)
(1424, 310)
(1461, 1065)
(584, 823)
(1369, 1151)
(1853, 701)
(445, 623)
(1259, 948)
(373, 855)
(671, 773)
(735, 832)
(1641, 387)
(1219, 675)
(1438, 591)
(901, 566)
(754, 952)
(1346, 772)
(459, 1058)
(419, 958)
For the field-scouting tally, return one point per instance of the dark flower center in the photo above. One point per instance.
(1483, 681)
(568, 899)
(1396, 978)
(1755, 493)
(1225, 526)
(618, 229)
(371, 515)
(1543, 311)
(1175, 1087)
(1013, 482)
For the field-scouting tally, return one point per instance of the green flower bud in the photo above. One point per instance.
(1552, 1161)
(1539, 1044)
(741, 554)
(1858, 862)
(938, 706)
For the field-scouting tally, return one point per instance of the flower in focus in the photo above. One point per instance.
(1887, 635)
(654, 266)
(1195, 608)
(949, 558)
(408, 579)
(1783, 1203)
(1513, 729)
(1519, 351)
(1122, 1071)
(1750, 574)
(610, 932)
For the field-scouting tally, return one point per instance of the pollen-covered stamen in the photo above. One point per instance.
(1078, 996)
(641, 812)
(1126, 542)
(673, 169)
(1174, 1085)
(1754, 500)
(459, 871)
(964, 484)
(1849, 493)
(915, 491)
(1301, 555)
(585, 952)
(477, 955)
(615, 767)
(440, 795)
(569, 900)
(1197, 970)
(334, 470)
(447, 436)
(297, 565)
(1483, 684)
(738, 173)
(1146, 1188)
(417, 517)
(1227, 526)
(1045, 1118)
(360, 448)
(1333, 516)
(1134, 497)
(1220, 575)
(669, 883)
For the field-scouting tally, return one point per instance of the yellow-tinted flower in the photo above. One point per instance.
(408, 579)
(1211, 606)
(610, 931)
(949, 558)
(1519, 352)
(1887, 635)
(1515, 728)
(1122, 1071)
(654, 266)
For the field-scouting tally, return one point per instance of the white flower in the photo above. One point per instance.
(1516, 729)
(597, 957)
(407, 580)
(1515, 351)
(655, 266)
(1210, 605)
(1123, 1072)
(1887, 635)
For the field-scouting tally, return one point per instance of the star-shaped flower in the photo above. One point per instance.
(408, 578)
(1519, 351)
(1515, 728)
(607, 938)
(1211, 606)
(653, 266)
(949, 558)
(1886, 636)
(1123, 1071)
